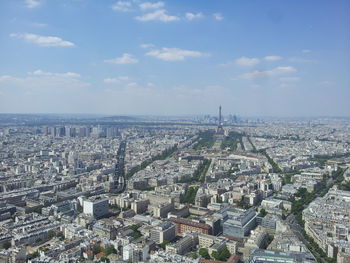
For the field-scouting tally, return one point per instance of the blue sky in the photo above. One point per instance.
(261, 58)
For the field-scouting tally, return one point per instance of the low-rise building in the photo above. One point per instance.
(183, 225)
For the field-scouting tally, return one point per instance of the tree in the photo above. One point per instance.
(33, 255)
(203, 252)
(51, 234)
(224, 254)
(190, 195)
(134, 227)
(302, 192)
(215, 255)
(263, 212)
(104, 260)
(6, 245)
(194, 255)
(267, 242)
(206, 140)
(164, 243)
(36, 210)
(242, 203)
(136, 234)
(96, 249)
(60, 235)
(109, 250)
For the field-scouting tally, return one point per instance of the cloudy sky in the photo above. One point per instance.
(262, 57)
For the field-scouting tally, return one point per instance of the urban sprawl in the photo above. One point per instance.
(202, 189)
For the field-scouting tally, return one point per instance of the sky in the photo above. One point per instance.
(283, 58)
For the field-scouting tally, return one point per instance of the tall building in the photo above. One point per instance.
(96, 207)
(163, 232)
(220, 132)
(237, 222)
(135, 253)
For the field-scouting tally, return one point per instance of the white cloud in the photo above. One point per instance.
(132, 85)
(151, 5)
(306, 51)
(281, 70)
(247, 62)
(44, 41)
(174, 54)
(290, 79)
(45, 81)
(158, 15)
(272, 58)
(116, 80)
(192, 16)
(146, 45)
(124, 59)
(4, 78)
(32, 3)
(268, 73)
(40, 72)
(218, 16)
(123, 6)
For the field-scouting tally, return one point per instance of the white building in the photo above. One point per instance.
(135, 253)
(96, 207)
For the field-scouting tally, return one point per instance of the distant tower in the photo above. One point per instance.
(220, 132)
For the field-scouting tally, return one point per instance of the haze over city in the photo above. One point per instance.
(261, 58)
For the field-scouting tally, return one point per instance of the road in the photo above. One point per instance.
(120, 168)
(296, 228)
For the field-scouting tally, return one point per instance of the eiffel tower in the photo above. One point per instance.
(220, 130)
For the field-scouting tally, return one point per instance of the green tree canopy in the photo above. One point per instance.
(203, 252)
(6, 245)
(224, 254)
(164, 243)
(194, 255)
(215, 255)
(263, 212)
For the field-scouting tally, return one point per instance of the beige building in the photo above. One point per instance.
(140, 206)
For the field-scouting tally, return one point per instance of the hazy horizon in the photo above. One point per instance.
(101, 115)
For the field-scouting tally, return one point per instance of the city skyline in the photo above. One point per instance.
(256, 58)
